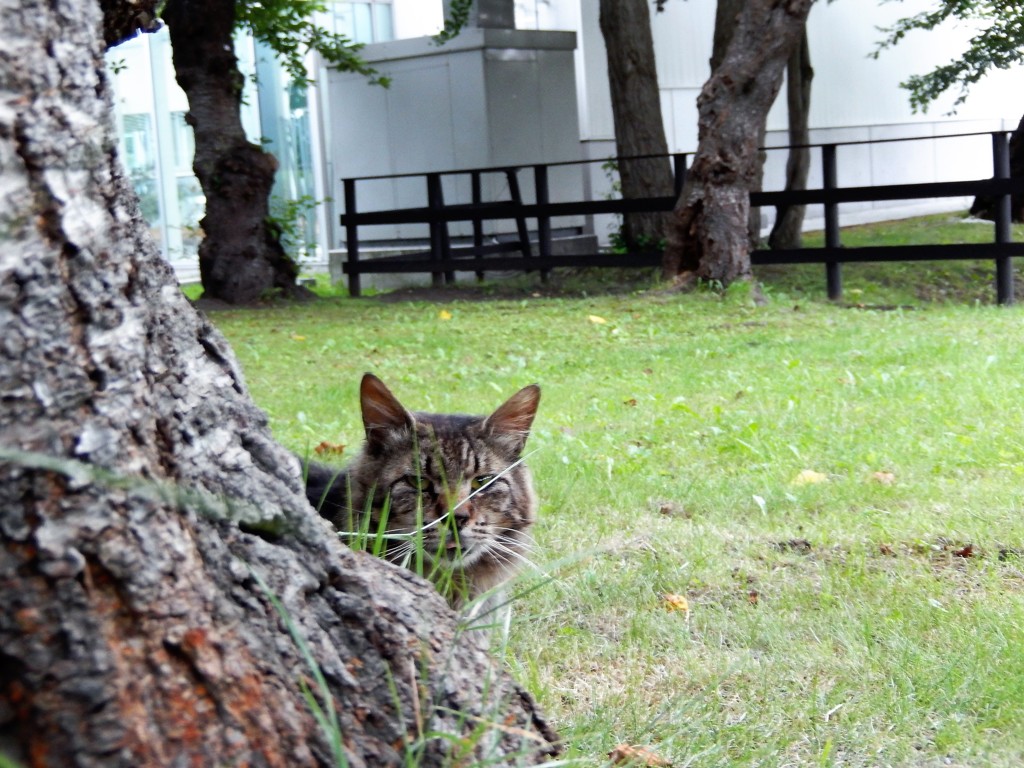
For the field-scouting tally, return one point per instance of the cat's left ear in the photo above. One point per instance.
(514, 417)
(382, 413)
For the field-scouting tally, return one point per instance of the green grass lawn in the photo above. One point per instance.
(837, 493)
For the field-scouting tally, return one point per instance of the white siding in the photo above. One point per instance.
(850, 88)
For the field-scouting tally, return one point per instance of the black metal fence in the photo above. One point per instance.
(443, 258)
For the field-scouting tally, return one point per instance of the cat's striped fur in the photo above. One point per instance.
(460, 479)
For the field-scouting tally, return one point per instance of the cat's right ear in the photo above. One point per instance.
(382, 413)
(512, 421)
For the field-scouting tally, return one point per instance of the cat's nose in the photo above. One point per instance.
(461, 515)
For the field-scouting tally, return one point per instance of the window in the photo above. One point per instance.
(369, 21)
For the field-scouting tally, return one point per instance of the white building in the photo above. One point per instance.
(529, 95)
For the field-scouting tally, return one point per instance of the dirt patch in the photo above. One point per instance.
(561, 283)
(301, 296)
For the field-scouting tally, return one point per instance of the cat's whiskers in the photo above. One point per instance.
(514, 536)
(508, 555)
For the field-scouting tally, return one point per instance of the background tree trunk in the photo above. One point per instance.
(142, 499)
(708, 236)
(241, 259)
(636, 108)
(787, 231)
(984, 207)
(726, 16)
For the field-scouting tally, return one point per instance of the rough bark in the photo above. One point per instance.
(123, 19)
(241, 259)
(636, 109)
(143, 500)
(787, 231)
(708, 234)
(984, 206)
(726, 15)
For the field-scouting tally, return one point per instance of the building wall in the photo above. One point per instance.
(491, 97)
(855, 97)
(850, 88)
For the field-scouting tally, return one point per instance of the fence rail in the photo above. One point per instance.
(444, 258)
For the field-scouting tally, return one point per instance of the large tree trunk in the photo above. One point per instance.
(147, 517)
(787, 231)
(984, 206)
(708, 235)
(636, 108)
(241, 259)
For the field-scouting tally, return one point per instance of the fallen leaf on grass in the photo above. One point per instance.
(672, 509)
(675, 603)
(631, 402)
(332, 449)
(809, 477)
(298, 337)
(885, 478)
(444, 314)
(596, 319)
(965, 551)
(626, 754)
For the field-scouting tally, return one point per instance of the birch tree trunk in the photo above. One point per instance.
(708, 236)
(148, 521)
(636, 110)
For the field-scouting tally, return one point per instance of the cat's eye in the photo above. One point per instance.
(417, 482)
(480, 481)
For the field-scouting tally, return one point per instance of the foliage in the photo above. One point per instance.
(997, 44)
(287, 27)
(616, 228)
(458, 17)
(288, 219)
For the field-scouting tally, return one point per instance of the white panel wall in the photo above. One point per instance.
(850, 87)
(465, 110)
(489, 98)
(853, 89)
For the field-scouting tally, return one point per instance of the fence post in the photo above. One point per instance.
(435, 204)
(512, 176)
(540, 181)
(478, 225)
(1003, 212)
(833, 269)
(351, 237)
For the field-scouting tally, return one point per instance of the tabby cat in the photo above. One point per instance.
(449, 486)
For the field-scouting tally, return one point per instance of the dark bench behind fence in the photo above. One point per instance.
(443, 258)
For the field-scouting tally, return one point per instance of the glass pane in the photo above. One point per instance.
(139, 147)
(383, 29)
(362, 25)
(184, 143)
(191, 205)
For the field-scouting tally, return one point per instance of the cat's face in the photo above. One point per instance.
(459, 479)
